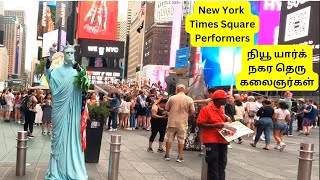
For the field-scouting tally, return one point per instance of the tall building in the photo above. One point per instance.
(22, 40)
(4, 64)
(11, 24)
(121, 30)
(136, 43)
(1, 14)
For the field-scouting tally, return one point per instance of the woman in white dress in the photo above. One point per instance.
(39, 114)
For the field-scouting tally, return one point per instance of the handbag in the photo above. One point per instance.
(251, 114)
(256, 122)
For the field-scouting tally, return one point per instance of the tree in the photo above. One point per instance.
(39, 69)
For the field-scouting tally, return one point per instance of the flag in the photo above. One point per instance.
(84, 118)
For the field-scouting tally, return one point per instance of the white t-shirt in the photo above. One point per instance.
(9, 99)
(239, 112)
(282, 113)
(125, 107)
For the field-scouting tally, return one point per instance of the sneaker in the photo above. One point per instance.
(240, 142)
(166, 158)
(111, 130)
(115, 130)
(277, 147)
(180, 160)
(30, 137)
(48, 133)
(282, 146)
(290, 135)
(43, 133)
(229, 147)
(150, 150)
(148, 128)
(129, 129)
(161, 151)
(262, 138)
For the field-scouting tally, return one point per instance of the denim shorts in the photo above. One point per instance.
(280, 126)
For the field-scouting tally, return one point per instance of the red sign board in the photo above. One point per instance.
(98, 20)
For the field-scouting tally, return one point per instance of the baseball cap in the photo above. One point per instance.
(220, 94)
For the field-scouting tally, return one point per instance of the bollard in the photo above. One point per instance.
(305, 161)
(21, 153)
(204, 169)
(114, 157)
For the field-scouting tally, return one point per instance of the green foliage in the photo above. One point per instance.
(82, 80)
(100, 111)
(39, 69)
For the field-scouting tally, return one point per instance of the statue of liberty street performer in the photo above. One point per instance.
(67, 158)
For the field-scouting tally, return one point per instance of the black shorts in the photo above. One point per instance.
(141, 111)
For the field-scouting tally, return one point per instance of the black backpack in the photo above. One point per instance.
(24, 103)
(2, 101)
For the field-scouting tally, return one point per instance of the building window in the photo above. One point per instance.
(165, 51)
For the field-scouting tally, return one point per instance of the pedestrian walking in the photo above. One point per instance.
(265, 124)
(280, 118)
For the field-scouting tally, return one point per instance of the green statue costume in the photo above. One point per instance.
(67, 158)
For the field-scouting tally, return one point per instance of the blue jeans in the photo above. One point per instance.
(114, 120)
(133, 120)
(293, 118)
(264, 126)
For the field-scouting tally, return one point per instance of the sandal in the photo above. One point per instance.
(265, 148)
(252, 145)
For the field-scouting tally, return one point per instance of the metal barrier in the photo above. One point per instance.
(204, 169)
(305, 161)
(21, 153)
(114, 157)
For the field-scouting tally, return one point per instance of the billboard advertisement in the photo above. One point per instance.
(164, 10)
(182, 57)
(255, 9)
(217, 63)
(46, 17)
(97, 20)
(299, 24)
(269, 27)
(48, 39)
(175, 33)
(62, 14)
(99, 48)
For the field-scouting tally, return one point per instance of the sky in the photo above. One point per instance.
(31, 10)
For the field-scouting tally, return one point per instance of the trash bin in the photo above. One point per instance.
(94, 136)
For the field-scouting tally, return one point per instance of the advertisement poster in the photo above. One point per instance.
(98, 20)
(46, 17)
(164, 10)
(99, 48)
(269, 27)
(182, 57)
(62, 13)
(299, 24)
(218, 63)
(48, 39)
(234, 130)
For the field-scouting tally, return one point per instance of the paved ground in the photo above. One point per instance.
(244, 162)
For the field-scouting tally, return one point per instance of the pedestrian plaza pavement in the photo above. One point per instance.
(244, 161)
